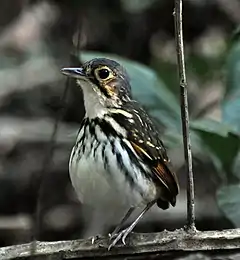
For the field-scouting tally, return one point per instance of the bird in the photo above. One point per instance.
(118, 156)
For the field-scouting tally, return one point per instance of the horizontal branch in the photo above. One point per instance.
(154, 243)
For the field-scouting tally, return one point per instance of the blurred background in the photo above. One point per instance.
(38, 38)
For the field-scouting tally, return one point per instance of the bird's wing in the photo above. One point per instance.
(144, 139)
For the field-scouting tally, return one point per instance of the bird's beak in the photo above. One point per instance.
(73, 72)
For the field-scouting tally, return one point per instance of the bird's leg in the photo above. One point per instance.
(125, 232)
(120, 225)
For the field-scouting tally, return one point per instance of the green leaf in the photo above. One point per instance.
(236, 166)
(231, 110)
(228, 198)
(204, 68)
(235, 36)
(172, 139)
(222, 142)
(148, 89)
(212, 126)
(231, 101)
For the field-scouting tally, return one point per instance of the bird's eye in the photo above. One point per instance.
(103, 73)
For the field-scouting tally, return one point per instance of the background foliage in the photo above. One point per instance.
(36, 40)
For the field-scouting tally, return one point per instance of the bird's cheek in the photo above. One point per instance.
(110, 90)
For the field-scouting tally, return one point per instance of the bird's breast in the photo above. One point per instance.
(102, 172)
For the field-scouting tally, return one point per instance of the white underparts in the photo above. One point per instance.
(99, 185)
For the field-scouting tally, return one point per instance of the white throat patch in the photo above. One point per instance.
(92, 100)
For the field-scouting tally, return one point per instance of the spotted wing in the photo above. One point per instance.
(144, 138)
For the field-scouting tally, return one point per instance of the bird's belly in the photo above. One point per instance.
(90, 182)
(100, 182)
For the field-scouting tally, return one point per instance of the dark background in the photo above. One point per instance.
(37, 39)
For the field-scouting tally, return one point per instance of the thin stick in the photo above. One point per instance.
(184, 114)
(47, 163)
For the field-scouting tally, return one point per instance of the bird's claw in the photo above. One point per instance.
(94, 239)
(112, 235)
(121, 235)
(124, 238)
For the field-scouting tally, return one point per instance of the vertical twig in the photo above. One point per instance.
(48, 159)
(45, 167)
(184, 114)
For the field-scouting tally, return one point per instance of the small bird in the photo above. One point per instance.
(118, 156)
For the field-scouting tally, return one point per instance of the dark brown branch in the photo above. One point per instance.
(184, 113)
(153, 243)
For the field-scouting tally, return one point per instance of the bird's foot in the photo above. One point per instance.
(112, 235)
(94, 239)
(117, 236)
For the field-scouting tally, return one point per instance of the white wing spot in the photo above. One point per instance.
(150, 144)
(120, 111)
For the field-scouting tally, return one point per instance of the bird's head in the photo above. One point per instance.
(104, 82)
